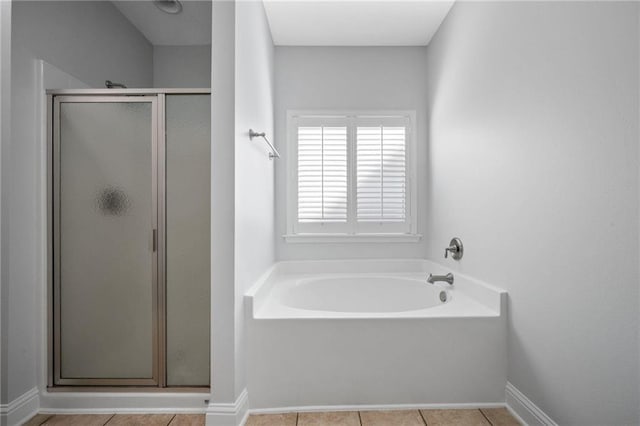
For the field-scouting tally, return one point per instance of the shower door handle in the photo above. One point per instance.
(154, 237)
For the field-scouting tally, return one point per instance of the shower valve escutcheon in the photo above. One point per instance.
(455, 248)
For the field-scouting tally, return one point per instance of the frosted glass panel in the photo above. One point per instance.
(106, 258)
(188, 136)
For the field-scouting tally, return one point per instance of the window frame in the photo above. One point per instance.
(351, 230)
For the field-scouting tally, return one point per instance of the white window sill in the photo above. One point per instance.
(351, 238)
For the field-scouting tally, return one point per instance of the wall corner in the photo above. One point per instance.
(229, 414)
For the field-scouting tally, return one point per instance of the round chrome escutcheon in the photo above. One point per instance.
(443, 296)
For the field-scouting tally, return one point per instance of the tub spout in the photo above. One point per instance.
(432, 279)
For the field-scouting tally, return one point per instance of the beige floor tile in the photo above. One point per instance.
(140, 420)
(285, 419)
(500, 417)
(37, 420)
(78, 420)
(396, 418)
(188, 420)
(333, 418)
(454, 418)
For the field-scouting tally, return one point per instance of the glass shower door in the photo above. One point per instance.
(188, 255)
(105, 232)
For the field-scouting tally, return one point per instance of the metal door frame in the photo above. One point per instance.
(157, 171)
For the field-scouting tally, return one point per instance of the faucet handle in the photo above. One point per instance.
(456, 249)
(452, 248)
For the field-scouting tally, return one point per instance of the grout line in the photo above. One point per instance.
(360, 418)
(423, 419)
(174, 416)
(297, 417)
(485, 416)
(108, 420)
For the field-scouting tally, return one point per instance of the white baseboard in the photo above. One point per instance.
(20, 409)
(224, 414)
(122, 402)
(524, 409)
(376, 407)
(229, 414)
(245, 418)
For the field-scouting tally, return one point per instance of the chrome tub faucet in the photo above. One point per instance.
(432, 279)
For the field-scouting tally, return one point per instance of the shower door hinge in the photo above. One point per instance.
(155, 240)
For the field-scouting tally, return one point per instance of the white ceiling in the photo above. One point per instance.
(190, 27)
(355, 22)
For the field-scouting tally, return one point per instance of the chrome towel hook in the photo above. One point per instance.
(274, 152)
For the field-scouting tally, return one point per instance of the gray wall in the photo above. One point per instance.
(93, 42)
(242, 182)
(182, 66)
(5, 138)
(361, 78)
(254, 172)
(533, 152)
(90, 40)
(222, 194)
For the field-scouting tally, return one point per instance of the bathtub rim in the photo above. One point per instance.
(489, 296)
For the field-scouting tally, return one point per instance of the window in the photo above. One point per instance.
(351, 176)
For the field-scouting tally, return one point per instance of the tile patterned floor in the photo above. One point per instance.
(482, 417)
(117, 420)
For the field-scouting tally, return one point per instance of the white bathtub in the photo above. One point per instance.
(367, 333)
(368, 289)
(358, 294)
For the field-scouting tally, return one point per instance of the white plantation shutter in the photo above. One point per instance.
(322, 174)
(381, 174)
(351, 175)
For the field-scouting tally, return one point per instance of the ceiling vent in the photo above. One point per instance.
(169, 6)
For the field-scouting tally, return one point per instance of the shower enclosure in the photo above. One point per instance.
(129, 246)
